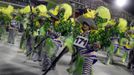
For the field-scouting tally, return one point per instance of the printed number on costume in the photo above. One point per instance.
(81, 41)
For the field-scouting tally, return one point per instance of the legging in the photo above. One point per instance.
(87, 66)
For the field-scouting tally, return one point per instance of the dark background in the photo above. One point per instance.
(129, 7)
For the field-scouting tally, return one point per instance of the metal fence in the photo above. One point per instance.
(22, 3)
(11, 3)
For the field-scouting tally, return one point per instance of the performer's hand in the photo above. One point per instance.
(97, 45)
(49, 30)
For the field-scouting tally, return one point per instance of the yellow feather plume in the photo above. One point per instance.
(122, 25)
(55, 11)
(26, 10)
(68, 10)
(42, 8)
(67, 13)
(103, 12)
(90, 14)
(8, 11)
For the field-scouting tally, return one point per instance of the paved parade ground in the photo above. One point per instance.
(13, 62)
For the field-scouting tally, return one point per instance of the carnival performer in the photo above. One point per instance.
(2, 26)
(50, 48)
(25, 23)
(131, 52)
(126, 45)
(12, 29)
(112, 49)
(85, 54)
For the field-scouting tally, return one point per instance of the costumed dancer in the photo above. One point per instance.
(25, 23)
(131, 52)
(85, 54)
(2, 26)
(60, 27)
(124, 42)
(124, 49)
(51, 47)
(12, 29)
(112, 49)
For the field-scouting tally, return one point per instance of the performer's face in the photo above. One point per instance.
(14, 16)
(85, 27)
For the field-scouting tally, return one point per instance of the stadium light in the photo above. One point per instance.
(121, 3)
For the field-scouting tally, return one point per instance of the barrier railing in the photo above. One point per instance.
(11, 3)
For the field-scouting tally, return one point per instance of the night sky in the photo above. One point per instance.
(129, 7)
